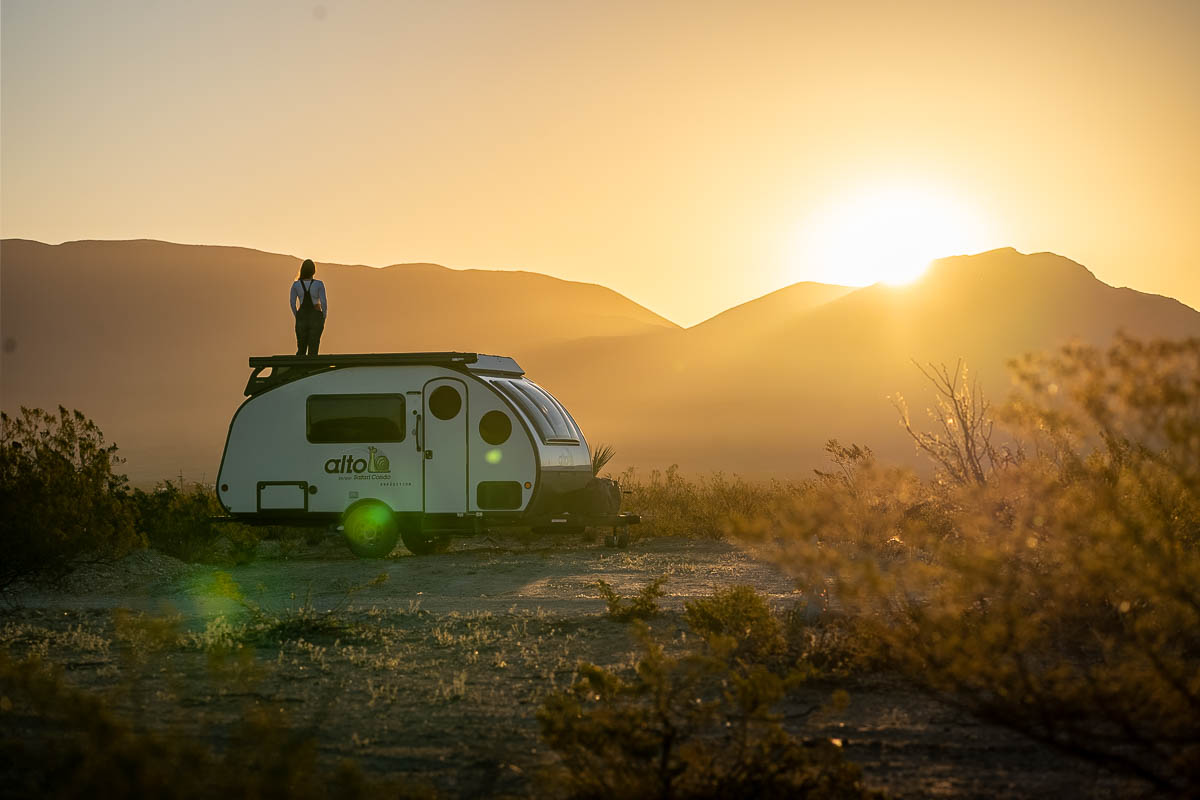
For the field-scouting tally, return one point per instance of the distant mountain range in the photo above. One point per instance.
(150, 339)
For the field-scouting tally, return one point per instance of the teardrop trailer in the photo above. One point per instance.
(411, 446)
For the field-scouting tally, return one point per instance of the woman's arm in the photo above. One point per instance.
(293, 296)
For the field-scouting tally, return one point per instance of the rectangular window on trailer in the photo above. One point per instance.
(351, 418)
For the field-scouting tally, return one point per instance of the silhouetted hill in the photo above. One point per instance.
(676, 350)
(766, 403)
(151, 340)
(761, 315)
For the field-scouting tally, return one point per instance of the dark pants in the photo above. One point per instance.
(309, 326)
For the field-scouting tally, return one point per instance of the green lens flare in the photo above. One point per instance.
(493, 456)
(365, 525)
(213, 594)
(378, 515)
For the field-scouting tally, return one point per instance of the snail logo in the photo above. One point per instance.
(376, 463)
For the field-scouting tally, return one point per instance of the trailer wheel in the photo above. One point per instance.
(371, 529)
(423, 543)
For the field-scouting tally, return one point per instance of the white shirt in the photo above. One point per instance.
(316, 290)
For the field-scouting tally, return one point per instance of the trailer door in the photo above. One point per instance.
(445, 442)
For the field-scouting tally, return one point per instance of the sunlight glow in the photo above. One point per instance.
(887, 234)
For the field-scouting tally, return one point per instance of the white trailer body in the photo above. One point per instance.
(443, 441)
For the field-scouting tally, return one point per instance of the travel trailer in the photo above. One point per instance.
(412, 446)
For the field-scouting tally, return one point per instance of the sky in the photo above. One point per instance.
(690, 155)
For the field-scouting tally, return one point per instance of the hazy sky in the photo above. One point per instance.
(689, 155)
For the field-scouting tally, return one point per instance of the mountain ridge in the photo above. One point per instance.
(158, 359)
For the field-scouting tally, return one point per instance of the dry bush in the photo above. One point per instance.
(178, 521)
(63, 503)
(829, 645)
(1059, 596)
(741, 614)
(696, 726)
(642, 605)
(963, 443)
(859, 505)
(787, 642)
(706, 507)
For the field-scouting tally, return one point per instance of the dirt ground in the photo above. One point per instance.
(465, 645)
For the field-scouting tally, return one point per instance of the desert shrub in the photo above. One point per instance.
(63, 503)
(642, 605)
(695, 726)
(799, 639)
(238, 545)
(964, 443)
(830, 645)
(859, 506)
(178, 521)
(1059, 595)
(59, 741)
(704, 507)
(742, 614)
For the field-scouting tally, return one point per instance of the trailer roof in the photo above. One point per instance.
(285, 369)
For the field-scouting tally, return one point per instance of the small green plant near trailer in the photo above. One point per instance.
(642, 605)
(601, 456)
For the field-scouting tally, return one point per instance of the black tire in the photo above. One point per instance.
(423, 543)
(371, 529)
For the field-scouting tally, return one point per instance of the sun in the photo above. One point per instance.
(887, 234)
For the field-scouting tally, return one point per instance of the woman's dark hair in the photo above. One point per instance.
(307, 269)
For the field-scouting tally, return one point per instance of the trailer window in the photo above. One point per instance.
(552, 422)
(495, 427)
(350, 418)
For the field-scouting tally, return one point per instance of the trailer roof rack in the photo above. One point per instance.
(285, 369)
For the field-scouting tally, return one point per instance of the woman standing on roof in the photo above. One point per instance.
(310, 308)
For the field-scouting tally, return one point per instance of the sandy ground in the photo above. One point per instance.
(463, 646)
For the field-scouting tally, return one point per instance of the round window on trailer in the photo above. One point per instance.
(445, 402)
(495, 427)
